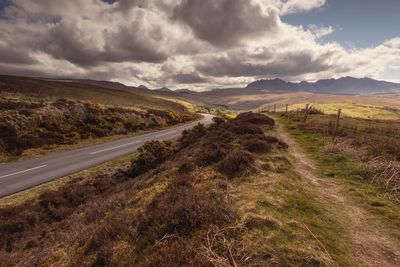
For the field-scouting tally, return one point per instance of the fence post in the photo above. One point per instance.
(337, 120)
(274, 108)
(286, 110)
(306, 113)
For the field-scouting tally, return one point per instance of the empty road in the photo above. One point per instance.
(20, 175)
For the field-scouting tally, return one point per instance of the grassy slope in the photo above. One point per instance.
(289, 220)
(381, 208)
(104, 94)
(279, 219)
(51, 90)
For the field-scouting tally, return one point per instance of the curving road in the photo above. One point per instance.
(21, 175)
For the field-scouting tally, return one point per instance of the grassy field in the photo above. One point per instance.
(363, 157)
(352, 109)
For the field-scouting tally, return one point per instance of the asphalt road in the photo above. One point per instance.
(21, 175)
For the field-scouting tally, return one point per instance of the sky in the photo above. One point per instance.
(200, 44)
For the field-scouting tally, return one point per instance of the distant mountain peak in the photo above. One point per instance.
(142, 86)
(164, 89)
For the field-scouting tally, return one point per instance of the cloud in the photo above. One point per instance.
(292, 6)
(226, 22)
(179, 43)
(15, 55)
(188, 78)
(320, 31)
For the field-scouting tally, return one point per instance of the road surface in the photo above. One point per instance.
(21, 175)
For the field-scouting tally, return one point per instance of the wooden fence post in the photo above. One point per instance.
(306, 113)
(337, 120)
(286, 110)
(274, 108)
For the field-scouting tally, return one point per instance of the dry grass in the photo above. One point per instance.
(174, 212)
(386, 173)
(372, 143)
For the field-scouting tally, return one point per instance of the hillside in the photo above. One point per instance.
(27, 124)
(39, 116)
(238, 193)
(100, 92)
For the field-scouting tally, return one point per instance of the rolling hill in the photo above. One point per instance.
(102, 92)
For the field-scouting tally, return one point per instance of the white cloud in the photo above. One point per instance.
(291, 6)
(320, 31)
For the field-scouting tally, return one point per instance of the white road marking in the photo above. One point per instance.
(27, 170)
(115, 147)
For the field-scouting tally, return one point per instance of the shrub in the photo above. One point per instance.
(191, 136)
(55, 205)
(255, 118)
(257, 146)
(210, 155)
(271, 139)
(238, 163)
(242, 128)
(218, 120)
(186, 167)
(152, 154)
(181, 210)
(313, 111)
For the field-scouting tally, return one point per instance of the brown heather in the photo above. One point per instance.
(170, 207)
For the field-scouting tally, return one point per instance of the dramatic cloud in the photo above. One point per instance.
(226, 22)
(189, 78)
(178, 43)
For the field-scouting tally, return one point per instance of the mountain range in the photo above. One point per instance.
(344, 86)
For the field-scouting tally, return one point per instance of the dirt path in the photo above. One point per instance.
(371, 247)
